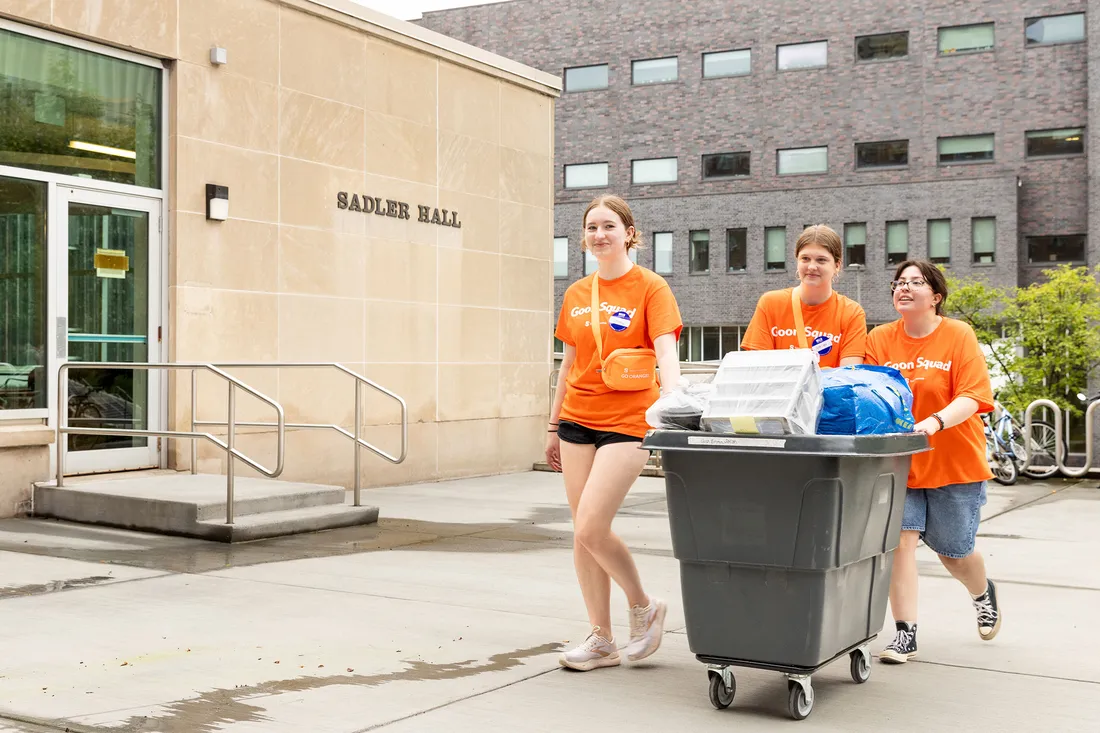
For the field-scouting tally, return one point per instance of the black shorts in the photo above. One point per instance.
(572, 432)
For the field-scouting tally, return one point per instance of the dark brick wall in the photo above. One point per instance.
(1005, 92)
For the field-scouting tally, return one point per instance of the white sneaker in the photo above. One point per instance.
(647, 627)
(596, 651)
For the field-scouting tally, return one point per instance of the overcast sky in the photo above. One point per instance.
(411, 9)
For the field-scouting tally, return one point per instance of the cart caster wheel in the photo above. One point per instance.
(721, 696)
(800, 701)
(860, 667)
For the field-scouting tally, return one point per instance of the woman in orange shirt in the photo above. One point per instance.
(595, 432)
(834, 326)
(946, 489)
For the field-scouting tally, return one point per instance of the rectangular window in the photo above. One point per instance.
(654, 170)
(726, 165)
(891, 154)
(586, 78)
(802, 56)
(590, 263)
(22, 295)
(78, 113)
(655, 71)
(966, 39)
(939, 241)
(983, 240)
(775, 248)
(966, 149)
(559, 347)
(882, 46)
(699, 257)
(561, 256)
(737, 250)
(1058, 248)
(586, 175)
(855, 244)
(802, 161)
(897, 242)
(1054, 29)
(1070, 141)
(731, 339)
(662, 253)
(726, 63)
(712, 340)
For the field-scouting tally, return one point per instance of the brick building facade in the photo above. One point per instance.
(921, 73)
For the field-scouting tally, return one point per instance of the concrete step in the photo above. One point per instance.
(289, 521)
(183, 504)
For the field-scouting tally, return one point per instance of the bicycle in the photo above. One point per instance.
(1005, 444)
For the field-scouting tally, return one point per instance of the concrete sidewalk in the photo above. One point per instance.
(447, 615)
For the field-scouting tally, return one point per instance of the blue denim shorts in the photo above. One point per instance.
(947, 518)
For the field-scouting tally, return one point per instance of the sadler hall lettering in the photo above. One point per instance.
(396, 209)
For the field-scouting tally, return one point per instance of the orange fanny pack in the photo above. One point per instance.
(623, 370)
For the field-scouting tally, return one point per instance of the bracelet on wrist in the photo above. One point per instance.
(939, 419)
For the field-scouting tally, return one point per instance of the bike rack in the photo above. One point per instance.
(1059, 445)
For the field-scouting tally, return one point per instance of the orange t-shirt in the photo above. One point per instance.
(835, 329)
(942, 366)
(635, 309)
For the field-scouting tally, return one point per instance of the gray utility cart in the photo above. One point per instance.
(786, 546)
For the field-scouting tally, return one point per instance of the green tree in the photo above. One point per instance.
(1051, 333)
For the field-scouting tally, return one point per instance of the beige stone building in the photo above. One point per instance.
(269, 181)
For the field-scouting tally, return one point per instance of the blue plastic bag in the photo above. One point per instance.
(865, 400)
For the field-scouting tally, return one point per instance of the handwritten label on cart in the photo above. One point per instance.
(736, 442)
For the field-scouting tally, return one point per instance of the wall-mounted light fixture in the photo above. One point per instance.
(217, 202)
(219, 56)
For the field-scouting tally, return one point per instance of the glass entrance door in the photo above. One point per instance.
(109, 297)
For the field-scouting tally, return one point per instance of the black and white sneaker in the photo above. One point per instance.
(903, 647)
(989, 613)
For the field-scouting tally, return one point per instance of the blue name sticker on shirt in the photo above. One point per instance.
(822, 345)
(619, 321)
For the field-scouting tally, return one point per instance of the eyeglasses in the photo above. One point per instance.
(913, 284)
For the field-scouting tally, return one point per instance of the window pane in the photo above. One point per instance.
(731, 339)
(586, 78)
(1055, 29)
(586, 175)
(559, 347)
(655, 71)
(966, 148)
(696, 350)
(737, 249)
(872, 155)
(775, 248)
(803, 160)
(855, 244)
(700, 251)
(684, 339)
(659, 170)
(590, 263)
(22, 295)
(561, 256)
(1063, 248)
(726, 63)
(75, 112)
(882, 46)
(711, 335)
(939, 240)
(802, 55)
(897, 242)
(662, 252)
(725, 165)
(966, 38)
(1070, 141)
(983, 239)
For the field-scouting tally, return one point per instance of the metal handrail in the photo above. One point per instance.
(1059, 445)
(228, 445)
(359, 442)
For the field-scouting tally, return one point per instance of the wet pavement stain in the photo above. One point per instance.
(212, 710)
(54, 586)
